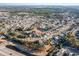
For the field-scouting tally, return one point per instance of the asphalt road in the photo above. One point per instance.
(9, 52)
(4, 51)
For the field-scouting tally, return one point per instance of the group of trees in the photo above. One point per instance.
(72, 39)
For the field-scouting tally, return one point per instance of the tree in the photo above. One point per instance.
(71, 38)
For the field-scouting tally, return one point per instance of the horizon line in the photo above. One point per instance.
(62, 4)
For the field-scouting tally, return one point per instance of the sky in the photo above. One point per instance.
(40, 2)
